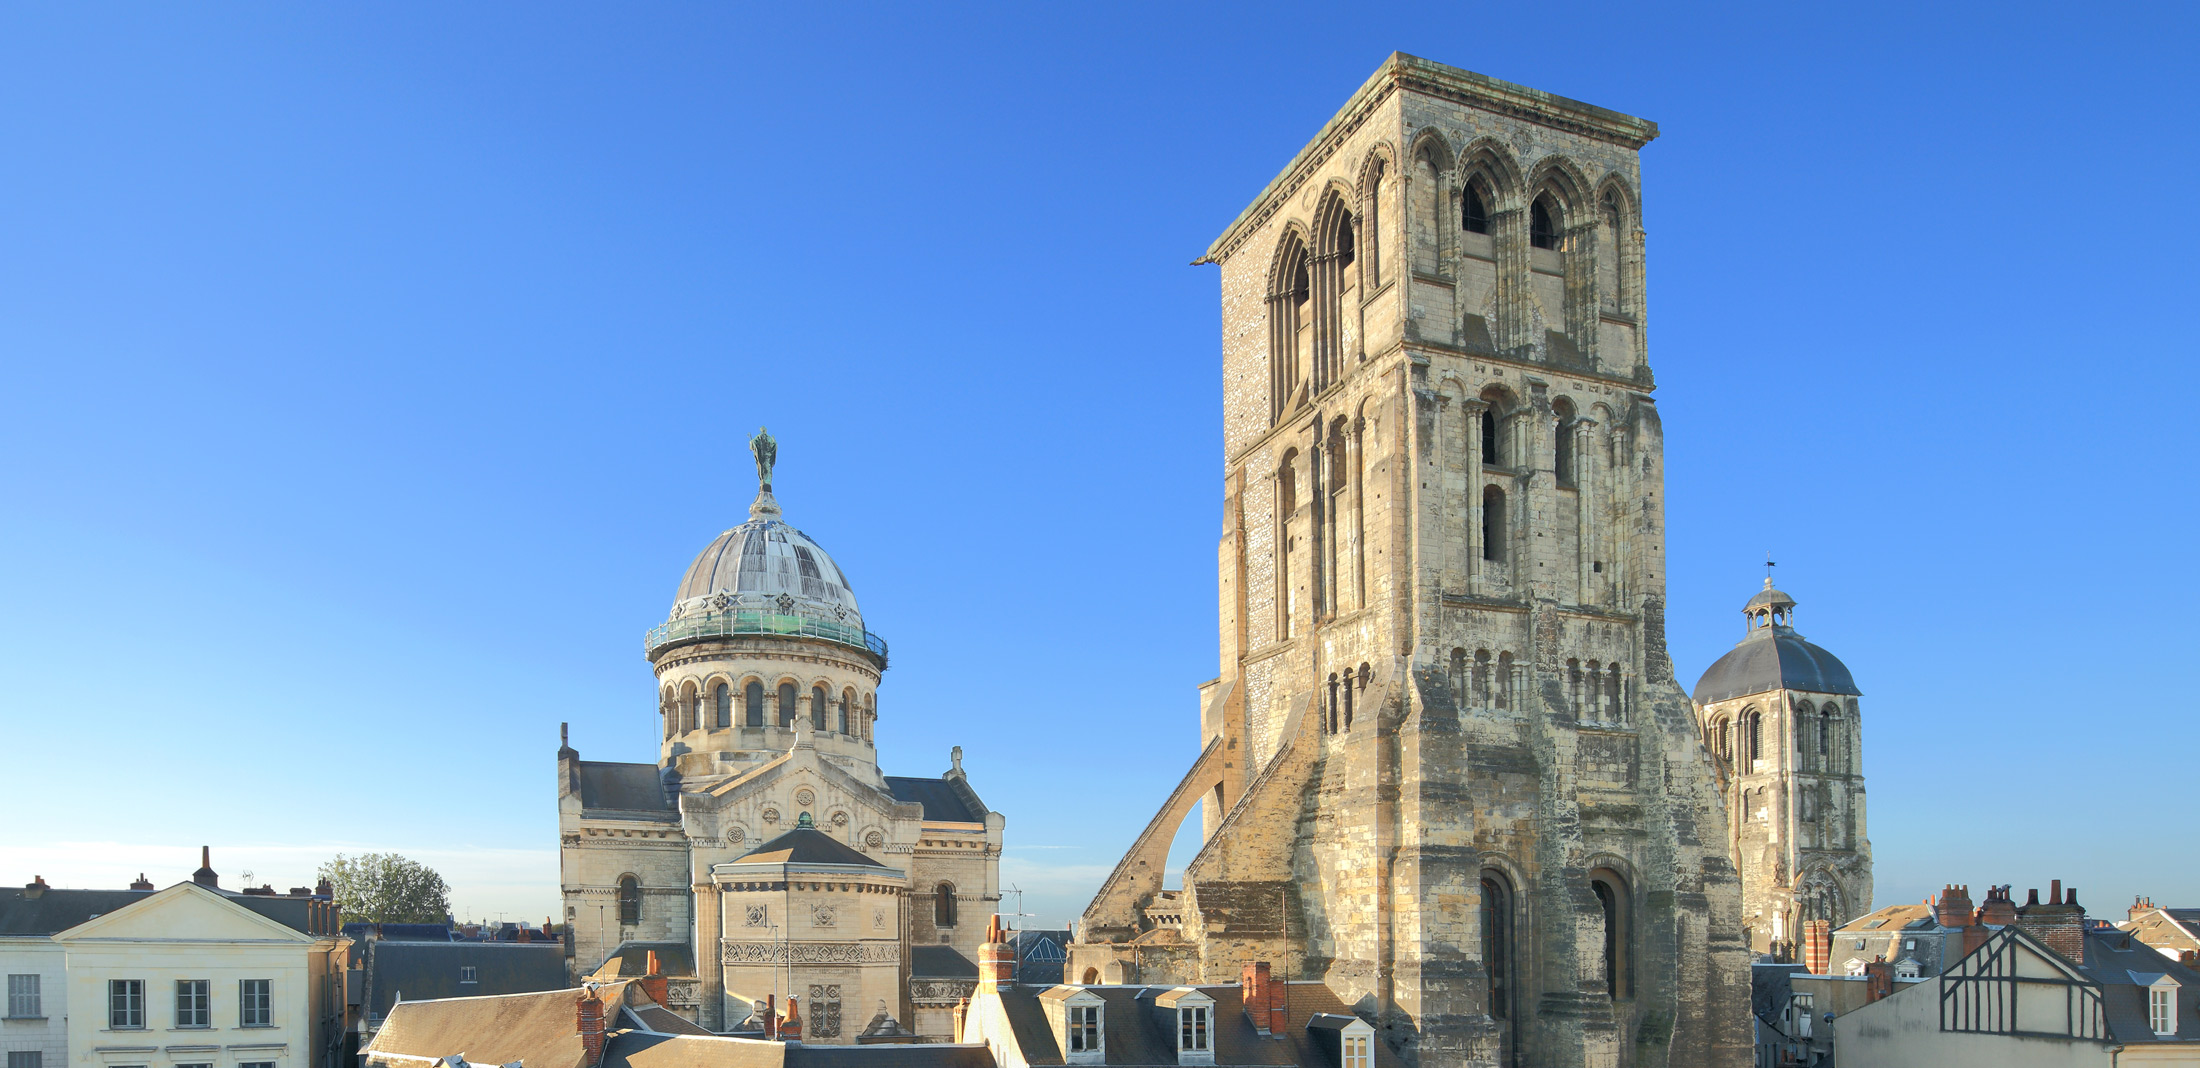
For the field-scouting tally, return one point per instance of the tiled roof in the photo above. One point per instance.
(941, 800)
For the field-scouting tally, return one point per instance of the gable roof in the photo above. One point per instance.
(806, 845)
(2125, 967)
(54, 911)
(538, 1028)
(942, 800)
(255, 913)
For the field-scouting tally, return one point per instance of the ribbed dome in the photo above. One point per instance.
(765, 565)
(1774, 658)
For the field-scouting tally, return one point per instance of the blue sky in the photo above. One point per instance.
(369, 374)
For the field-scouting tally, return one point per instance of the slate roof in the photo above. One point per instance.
(425, 971)
(2119, 962)
(400, 932)
(1131, 1035)
(1774, 658)
(940, 962)
(943, 802)
(676, 960)
(622, 787)
(1039, 956)
(55, 911)
(805, 845)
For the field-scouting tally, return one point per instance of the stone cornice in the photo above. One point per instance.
(1402, 71)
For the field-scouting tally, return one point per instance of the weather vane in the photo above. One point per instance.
(1769, 565)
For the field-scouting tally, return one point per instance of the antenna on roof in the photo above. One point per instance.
(1017, 968)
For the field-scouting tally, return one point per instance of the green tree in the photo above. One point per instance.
(387, 888)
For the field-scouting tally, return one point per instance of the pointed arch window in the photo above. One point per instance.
(1543, 223)
(1474, 208)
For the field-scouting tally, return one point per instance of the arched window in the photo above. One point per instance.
(1497, 942)
(1290, 320)
(846, 696)
(1573, 686)
(1609, 251)
(721, 700)
(786, 705)
(1332, 703)
(1287, 504)
(1493, 524)
(818, 701)
(1594, 676)
(1505, 680)
(1459, 677)
(630, 899)
(691, 706)
(1543, 223)
(1377, 188)
(1722, 738)
(1617, 695)
(1482, 678)
(1474, 208)
(1562, 437)
(1825, 732)
(1756, 730)
(752, 703)
(1492, 437)
(870, 714)
(1612, 902)
(943, 905)
(670, 706)
(1092, 977)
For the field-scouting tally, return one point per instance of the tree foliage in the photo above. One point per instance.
(387, 888)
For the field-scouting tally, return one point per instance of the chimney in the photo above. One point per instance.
(771, 1017)
(323, 889)
(996, 961)
(654, 982)
(2139, 907)
(790, 1029)
(1263, 998)
(1817, 946)
(590, 1014)
(1975, 935)
(142, 883)
(1954, 909)
(962, 1014)
(1998, 910)
(2190, 958)
(205, 875)
(1878, 980)
(2059, 924)
(35, 889)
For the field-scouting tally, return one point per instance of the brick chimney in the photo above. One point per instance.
(771, 1017)
(142, 883)
(2190, 958)
(790, 1029)
(654, 982)
(1878, 979)
(996, 961)
(205, 875)
(2059, 924)
(2140, 906)
(1263, 998)
(589, 1012)
(1998, 910)
(1817, 946)
(36, 888)
(1954, 909)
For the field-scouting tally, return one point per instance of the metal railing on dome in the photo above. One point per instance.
(727, 624)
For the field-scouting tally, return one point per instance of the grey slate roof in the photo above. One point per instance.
(55, 911)
(1774, 658)
(805, 845)
(623, 787)
(940, 962)
(2117, 961)
(941, 799)
(425, 971)
(1039, 956)
(1131, 1035)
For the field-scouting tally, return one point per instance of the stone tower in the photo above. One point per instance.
(1445, 767)
(1780, 716)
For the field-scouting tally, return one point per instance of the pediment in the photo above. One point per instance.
(185, 911)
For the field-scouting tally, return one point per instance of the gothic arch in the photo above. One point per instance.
(1489, 159)
(1562, 178)
(1291, 307)
(1616, 187)
(1379, 155)
(1432, 140)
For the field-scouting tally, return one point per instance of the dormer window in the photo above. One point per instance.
(1356, 1052)
(1084, 1028)
(1191, 1023)
(1074, 1012)
(2162, 1006)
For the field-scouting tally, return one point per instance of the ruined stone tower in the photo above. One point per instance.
(1780, 716)
(1445, 766)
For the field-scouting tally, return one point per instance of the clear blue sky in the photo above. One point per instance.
(369, 374)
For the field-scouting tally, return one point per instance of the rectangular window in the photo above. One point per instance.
(1084, 1028)
(23, 997)
(194, 1003)
(1356, 1053)
(1192, 1024)
(466, 973)
(199, 1065)
(254, 1008)
(257, 1064)
(125, 1004)
(24, 1058)
(2162, 1010)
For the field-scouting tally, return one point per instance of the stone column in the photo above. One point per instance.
(1476, 411)
(710, 970)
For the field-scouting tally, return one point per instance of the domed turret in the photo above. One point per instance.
(765, 649)
(1773, 657)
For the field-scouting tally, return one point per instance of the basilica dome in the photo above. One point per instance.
(764, 577)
